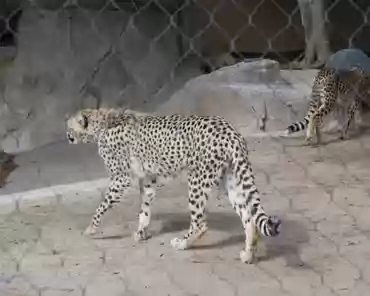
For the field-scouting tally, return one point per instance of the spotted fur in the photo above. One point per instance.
(345, 89)
(152, 148)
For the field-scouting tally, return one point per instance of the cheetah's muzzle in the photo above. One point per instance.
(70, 138)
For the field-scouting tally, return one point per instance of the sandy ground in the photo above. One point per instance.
(322, 195)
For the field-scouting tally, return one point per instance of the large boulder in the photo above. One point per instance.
(250, 91)
(347, 58)
(68, 59)
(245, 94)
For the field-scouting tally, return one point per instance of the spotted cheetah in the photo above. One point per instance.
(149, 149)
(345, 90)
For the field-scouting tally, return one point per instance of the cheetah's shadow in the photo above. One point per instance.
(329, 137)
(287, 245)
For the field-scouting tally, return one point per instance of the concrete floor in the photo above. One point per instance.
(322, 195)
(56, 164)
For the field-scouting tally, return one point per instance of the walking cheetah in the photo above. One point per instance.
(151, 148)
(345, 90)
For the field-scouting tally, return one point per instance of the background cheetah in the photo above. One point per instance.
(343, 89)
(151, 148)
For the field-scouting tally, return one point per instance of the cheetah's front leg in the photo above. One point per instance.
(117, 188)
(147, 193)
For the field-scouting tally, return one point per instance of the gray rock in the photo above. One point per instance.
(242, 93)
(69, 59)
(347, 58)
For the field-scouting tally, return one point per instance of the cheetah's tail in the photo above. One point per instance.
(267, 225)
(298, 126)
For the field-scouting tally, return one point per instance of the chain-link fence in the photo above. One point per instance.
(70, 54)
(58, 56)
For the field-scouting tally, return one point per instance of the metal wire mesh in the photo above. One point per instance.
(138, 53)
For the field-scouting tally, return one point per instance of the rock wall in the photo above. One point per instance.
(68, 59)
(256, 96)
(247, 94)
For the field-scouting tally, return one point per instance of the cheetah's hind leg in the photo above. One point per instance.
(311, 127)
(351, 113)
(315, 123)
(91, 230)
(198, 196)
(318, 135)
(252, 238)
(238, 198)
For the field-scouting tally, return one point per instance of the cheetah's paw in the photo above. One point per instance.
(140, 235)
(91, 230)
(309, 140)
(344, 136)
(179, 244)
(247, 256)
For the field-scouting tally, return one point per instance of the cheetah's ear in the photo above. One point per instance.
(113, 115)
(83, 120)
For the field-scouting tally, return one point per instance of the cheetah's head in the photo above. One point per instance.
(83, 126)
(86, 125)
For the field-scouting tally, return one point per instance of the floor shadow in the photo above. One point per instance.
(174, 222)
(358, 133)
(287, 245)
(110, 237)
(113, 233)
